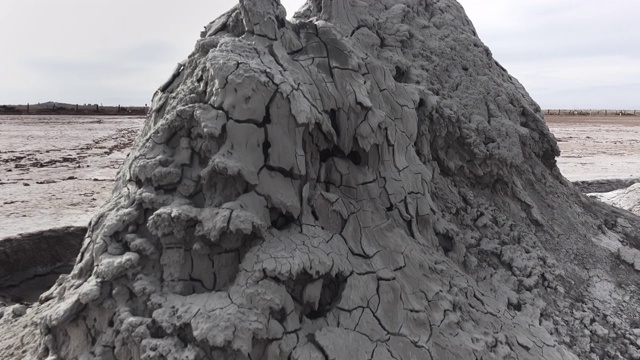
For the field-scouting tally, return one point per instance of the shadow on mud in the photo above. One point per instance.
(31, 263)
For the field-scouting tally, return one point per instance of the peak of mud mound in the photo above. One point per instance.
(365, 182)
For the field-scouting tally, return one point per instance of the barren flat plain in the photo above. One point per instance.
(597, 147)
(58, 170)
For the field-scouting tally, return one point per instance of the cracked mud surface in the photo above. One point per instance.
(363, 183)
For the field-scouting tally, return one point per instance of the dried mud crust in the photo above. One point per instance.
(366, 182)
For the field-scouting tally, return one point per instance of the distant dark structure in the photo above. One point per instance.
(55, 108)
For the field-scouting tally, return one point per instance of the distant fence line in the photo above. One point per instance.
(72, 109)
(75, 107)
(592, 112)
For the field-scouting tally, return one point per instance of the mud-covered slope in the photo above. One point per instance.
(364, 182)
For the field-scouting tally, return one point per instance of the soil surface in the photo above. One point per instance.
(57, 171)
(597, 147)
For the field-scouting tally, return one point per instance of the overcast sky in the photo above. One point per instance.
(567, 53)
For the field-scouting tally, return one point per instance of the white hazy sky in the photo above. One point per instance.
(567, 53)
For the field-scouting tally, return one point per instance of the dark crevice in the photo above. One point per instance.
(410, 229)
(312, 340)
(515, 306)
(364, 256)
(201, 283)
(325, 155)
(400, 75)
(156, 331)
(266, 145)
(288, 173)
(333, 116)
(356, 29)
(280, 220)
(267, 114)
(330, 294)
(256, 123)
(500, 187)
(266, 120)
(185, 334)
(355, 157)
(446, 242)
(279, 315)
(335, 152)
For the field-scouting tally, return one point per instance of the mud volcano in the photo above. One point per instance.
(362, 182)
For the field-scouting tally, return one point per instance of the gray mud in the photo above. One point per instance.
(364, 181)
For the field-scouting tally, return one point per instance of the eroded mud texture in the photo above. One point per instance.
(365, 182)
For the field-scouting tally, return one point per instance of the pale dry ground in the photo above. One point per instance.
(58, 170)
(597, 147)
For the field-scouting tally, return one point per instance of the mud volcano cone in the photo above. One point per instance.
(364, 181)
